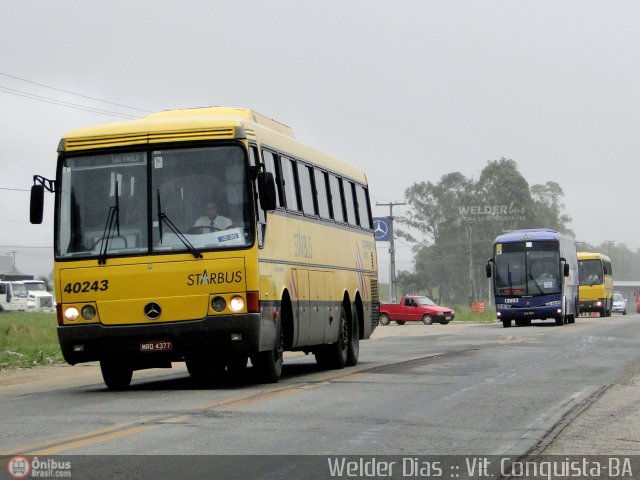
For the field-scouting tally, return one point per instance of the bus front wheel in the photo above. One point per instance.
(269, 364)
(506, 323)
(116, 375)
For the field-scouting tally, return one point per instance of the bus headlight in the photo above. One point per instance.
(88, 312)
(501, 306)
(218, 304)
(236, 304)
(71, 314)
(551, 304)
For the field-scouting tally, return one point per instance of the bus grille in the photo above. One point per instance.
(375, 303)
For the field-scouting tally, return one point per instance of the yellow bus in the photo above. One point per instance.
(596, 283)
(210, 236)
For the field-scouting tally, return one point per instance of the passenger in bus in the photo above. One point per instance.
(212, 218)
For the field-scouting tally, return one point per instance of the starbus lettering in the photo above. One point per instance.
(214, 278)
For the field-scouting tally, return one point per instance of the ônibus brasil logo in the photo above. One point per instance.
(19, 467)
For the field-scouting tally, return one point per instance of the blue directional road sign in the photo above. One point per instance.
(382, 229)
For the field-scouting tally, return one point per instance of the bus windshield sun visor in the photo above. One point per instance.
(162, 217)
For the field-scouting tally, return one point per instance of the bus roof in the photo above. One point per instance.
(593, 256)
(205, 123)
(528, 234)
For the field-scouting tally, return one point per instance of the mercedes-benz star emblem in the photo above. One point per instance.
(380, 229)
(152, 310)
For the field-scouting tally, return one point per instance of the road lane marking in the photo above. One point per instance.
(319, 379)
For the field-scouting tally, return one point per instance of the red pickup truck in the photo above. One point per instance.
(415, 308)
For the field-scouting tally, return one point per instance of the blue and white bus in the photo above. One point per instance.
(535, 276)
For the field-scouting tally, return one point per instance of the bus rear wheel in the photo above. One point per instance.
(116, 375)
(354, 341)
(335, 356)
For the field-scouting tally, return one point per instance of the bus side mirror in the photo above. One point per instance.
(566, 269)
(37, 204)
(488, 268)
(267, 190)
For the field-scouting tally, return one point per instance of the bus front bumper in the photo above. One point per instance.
(592, 305)
(148, 345)
(536, 313)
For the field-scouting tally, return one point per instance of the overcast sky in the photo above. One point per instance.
(407, 89)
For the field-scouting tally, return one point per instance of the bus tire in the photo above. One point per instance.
(559, 321)
(116, 375)
(506, 323)
(334, 356)
(384, 319)
(353, 351)
(427, 320)
(268, 364)
(236, 364)
(199, 366)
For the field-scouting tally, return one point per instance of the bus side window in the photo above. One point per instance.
(322, 194)
(289, 182)
(309, 206)
(336, 199)
(349, 202)
(262, 222)
(270, 166)
(363, 209)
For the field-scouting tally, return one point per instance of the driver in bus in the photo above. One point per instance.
(212, 218)
(547, 275)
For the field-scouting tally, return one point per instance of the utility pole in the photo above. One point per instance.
(610, 242)
(392, 247)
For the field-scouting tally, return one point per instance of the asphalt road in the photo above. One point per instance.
(471, 390)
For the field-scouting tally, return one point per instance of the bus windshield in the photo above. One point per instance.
(590, 272)
(527, 268)
(139, 202)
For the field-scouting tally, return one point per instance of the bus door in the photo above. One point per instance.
(301, 277)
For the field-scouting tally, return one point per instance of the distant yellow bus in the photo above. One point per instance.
(210, 236)
(596, 283)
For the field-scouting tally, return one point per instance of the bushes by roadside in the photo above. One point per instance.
(28, 339)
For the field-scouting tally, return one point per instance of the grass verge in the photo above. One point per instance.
(465, 314)
(28, 339)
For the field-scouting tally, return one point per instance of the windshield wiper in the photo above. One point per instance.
(534, 281)
(113, 222)
(162, 217)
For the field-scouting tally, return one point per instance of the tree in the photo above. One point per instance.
(458, 218)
